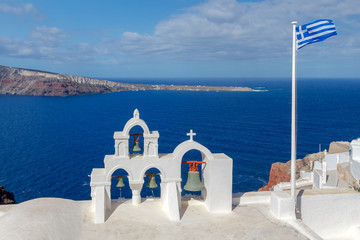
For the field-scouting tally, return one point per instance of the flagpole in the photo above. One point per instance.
(293, 115)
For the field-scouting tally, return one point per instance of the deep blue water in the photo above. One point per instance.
(49, 145)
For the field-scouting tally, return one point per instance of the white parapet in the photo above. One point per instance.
(317, 182)
(355, 158)
(246, 198)
(218, 183)
(100, 211)
(331, 213)
(324, 172)
(282, 205)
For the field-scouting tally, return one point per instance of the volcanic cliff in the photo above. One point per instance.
(39, 83)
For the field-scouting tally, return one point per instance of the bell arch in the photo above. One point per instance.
(150, 138)
(207, 157)
(119, 188)
(159, 174)
(163, 174)
(110, 173)
(187, 146)
(135, 122)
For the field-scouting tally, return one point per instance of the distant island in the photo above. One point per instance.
(40, 83)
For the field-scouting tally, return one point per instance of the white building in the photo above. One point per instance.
(216, 173)
(355, 159)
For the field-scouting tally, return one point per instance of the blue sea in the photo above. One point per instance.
(49, 145)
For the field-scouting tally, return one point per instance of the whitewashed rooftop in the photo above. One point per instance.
(54, 218)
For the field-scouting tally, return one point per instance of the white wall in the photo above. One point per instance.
(332, 159)
(218, 184)
(317, 181)
(355, 169)
(330, 213)
(355, 159)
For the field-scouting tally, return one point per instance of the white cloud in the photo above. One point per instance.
(258, 29)
(13, 47)
(25, 8)
(45, 42)
(50, 36)
(214, 30)
(227, 29)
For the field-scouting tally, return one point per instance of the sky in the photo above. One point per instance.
(177, 38)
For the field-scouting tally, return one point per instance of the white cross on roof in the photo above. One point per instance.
(191, 134)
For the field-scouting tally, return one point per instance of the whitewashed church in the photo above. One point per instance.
(216, 172)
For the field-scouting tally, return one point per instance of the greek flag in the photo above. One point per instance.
(314, 32)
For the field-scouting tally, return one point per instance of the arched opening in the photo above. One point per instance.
(191, 155)
(136, 148)
(151, 187)
(125, 190)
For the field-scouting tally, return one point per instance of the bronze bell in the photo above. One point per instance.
(152, 183)
(136, 147)
(193, 182)
(120, 182)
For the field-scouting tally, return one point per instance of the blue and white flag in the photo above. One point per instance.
(314, 32)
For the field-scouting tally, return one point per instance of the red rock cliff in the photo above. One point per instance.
(280, 172)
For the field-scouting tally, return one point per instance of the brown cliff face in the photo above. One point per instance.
(281, 172)
(38, 83)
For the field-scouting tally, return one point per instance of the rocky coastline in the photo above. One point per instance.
(6, 197)
(281, 172)
(39, 83)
